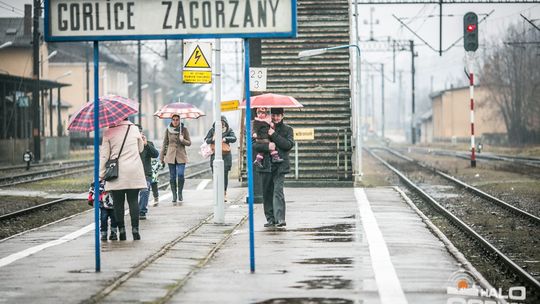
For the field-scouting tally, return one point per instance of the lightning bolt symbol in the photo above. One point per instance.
(197, 56)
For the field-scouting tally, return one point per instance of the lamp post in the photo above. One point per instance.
(356, 106)
(58, 103)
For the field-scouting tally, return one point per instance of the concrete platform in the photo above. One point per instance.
(341, 245)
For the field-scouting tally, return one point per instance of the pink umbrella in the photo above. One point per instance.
(112, 110)
(270, 100)
(182, 109)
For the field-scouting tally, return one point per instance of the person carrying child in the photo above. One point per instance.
(261, 124)
(106, 211)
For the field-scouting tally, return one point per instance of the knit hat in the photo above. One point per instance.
(276, 110)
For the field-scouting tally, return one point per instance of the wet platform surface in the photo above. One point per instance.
(340, 245)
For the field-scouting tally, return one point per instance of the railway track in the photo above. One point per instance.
(522, 161)
(51, 171)
(492, 224)
(192, 171)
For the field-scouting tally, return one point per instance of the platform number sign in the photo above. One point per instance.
(257, 79)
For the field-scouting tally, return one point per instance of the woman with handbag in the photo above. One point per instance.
(228, 137)
(121, 147)
(173, 152)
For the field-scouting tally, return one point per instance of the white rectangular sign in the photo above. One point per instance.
(257, 79)
(71, 20)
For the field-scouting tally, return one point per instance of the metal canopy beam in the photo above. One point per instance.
(444, 1)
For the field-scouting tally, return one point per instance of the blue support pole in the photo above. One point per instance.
(249, 154)
(96, 155)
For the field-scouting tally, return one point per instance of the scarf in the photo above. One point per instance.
(173, 130)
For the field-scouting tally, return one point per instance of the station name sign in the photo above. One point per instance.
(84, 20)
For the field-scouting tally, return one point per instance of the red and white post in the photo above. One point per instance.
(470, 57)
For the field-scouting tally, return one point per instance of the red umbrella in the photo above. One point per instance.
(182, 109)
(270, 100)
(112, 110)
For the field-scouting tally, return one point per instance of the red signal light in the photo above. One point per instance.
(471, 28)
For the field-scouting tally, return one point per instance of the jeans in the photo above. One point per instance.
(176, 170)
(105, 214)
(144, 194)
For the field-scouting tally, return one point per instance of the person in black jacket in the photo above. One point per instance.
(272, 174)
(147, 154)
(228, 137)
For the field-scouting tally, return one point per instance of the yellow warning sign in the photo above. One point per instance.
(304, 134)
(190, 76)
(229, 105)
(197, 60)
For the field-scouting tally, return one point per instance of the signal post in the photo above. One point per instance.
(470, 43)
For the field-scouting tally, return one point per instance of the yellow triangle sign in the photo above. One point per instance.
(197, 59)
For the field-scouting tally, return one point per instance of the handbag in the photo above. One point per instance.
(111, 166)
(225, 148)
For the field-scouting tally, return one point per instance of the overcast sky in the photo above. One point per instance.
(432, 69)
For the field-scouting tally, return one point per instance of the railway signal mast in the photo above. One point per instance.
(470, 43)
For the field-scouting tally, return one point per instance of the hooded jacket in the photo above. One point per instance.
(229, 138)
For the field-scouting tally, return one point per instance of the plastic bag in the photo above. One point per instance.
(206, 150)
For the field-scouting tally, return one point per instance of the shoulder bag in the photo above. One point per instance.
(111, 166)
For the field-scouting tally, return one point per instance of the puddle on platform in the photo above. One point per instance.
(306, 301)
(335, 239)
(325, 282)
(328, 261)
(330, 228)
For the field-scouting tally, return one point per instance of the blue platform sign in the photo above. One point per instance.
(100, 20)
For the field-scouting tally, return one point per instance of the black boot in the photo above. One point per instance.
(122, 233)
(136, 235)
(181, 181)
(104, 235)
(173, 189)
(113, 236)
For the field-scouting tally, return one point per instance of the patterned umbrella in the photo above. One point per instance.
(182, 109)
(270, 100)
(112, 110)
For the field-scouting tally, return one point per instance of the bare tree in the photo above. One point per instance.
(512, 75)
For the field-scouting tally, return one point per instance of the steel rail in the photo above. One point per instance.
(14, 179)
(57, 163)
(34, 208)
(524, 275)
(534, 219)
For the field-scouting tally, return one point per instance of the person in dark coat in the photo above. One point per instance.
(147, 154)
(228, 137)
(261, 124)
(272, 174)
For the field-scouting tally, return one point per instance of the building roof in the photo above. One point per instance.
(18, 83)
(69, 52)
(436, 94)
(12, 29)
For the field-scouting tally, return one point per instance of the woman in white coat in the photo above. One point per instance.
(130, 172)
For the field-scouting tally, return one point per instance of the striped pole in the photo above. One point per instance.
(471, 91)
